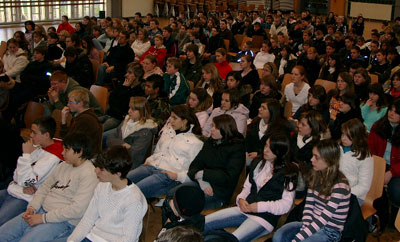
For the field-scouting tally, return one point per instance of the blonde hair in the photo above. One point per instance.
(80, 96)
(140, 104)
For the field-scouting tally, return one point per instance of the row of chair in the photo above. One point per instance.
(328, 85)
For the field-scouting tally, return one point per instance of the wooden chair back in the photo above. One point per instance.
(376, 188)
(239, 39)
(235, 66)
(101, 55)
(101, 95)
(257, 42)
(33, 111)
(3, 48)
(374, 78)
(287, 111)
(57, 117)
(328, 85)
(226, 42)
(95, 65)
(260, 72)
(287, 79)
(397, 221)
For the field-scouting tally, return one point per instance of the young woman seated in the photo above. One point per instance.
(268, 121)
(150, 66)
(344, 84)
(331, 69)
(249, 73)
(356, 161)
(231, 105)
(201, 104)
(327, 201)
(375, 107)
(268, 192)
(222, 63)
(175, 150)
(212, 83)
(218, 165)
(311, 129)
(384, 141)
(361, 83)
(268, 89)
(348, 109)
(234, 80)
(135, 133)
(317, 100)
(297, 91)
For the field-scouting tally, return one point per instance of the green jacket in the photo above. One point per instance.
(177, 88)
(63, 98)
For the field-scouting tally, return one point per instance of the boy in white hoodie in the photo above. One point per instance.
(59, 204)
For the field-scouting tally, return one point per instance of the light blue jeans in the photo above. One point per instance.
(151, 181)
(288, 231)
(18, 230)
(247, 230)
(10, 206)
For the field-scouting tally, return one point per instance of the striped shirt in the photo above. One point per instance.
(331, 214)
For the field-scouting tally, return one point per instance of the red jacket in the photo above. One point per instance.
(66, 27)
(160, 55)
(223, 69)
(378, 147)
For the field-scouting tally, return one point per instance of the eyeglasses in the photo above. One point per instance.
(73, 102)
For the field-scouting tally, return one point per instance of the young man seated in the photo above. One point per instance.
(118, 206)
(84, 119)
(158, 102)
(59, 204)
(60, 87)
(41, 154)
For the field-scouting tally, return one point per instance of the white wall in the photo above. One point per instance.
(130, 7)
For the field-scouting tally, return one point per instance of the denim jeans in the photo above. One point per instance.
(247, 230)
(151, 181)
(109, 122)
(10, 206)
(393, 190)
(18, 230)
(288, 231)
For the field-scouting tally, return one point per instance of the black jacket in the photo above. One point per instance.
(214, 43)
(119, 100)
(222, 165)
(119, 57)
(35, 76)
(81, 70)
(336, 126)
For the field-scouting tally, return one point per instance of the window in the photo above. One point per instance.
(17, 11)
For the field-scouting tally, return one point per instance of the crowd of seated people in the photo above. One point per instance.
(299, 117)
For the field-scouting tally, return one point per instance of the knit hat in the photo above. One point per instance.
(188, 200)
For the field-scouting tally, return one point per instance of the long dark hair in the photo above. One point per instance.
(318, 92)
(89, 42)
(383, 128)
(279, 144)
(184, 112)
(276, 121)
(228, 129)
(377, 89)
(316, 123)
